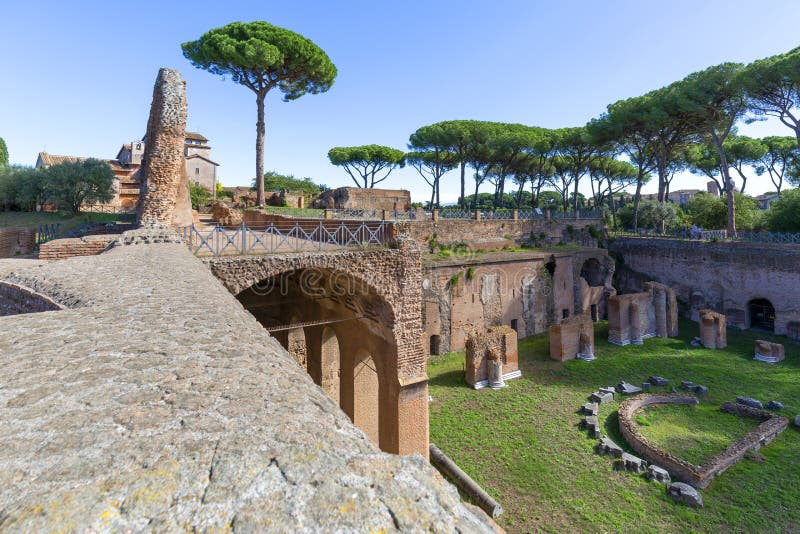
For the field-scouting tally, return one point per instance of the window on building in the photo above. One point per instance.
(197, 170)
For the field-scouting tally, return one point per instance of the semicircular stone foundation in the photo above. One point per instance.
(696, 475)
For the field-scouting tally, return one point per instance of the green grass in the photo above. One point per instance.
(294, 212)
(522, 443)
(67, 221)
(693, 433)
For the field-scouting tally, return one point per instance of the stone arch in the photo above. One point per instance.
(761, 314)
(593, 272)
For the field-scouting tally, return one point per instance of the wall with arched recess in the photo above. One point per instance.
(390, 279)
(722, 276)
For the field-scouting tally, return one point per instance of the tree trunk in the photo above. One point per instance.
(636, 198)
(613, 205)
(463, 198)
(260, 128)
(726, 180)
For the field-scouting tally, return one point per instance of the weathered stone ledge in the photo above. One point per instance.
(159, 403)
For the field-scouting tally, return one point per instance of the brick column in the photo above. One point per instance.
(327, 214)
(477, 215)
(435, 215)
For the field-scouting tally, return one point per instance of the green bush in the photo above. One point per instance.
(784, 214)
(3, 153)
(274, 181)
(711, 212)
(199, 195)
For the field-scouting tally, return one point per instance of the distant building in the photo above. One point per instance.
(126, 178)
(200, 168)
(712, 188)
(127, 170)
(682, 196)
(765, 201)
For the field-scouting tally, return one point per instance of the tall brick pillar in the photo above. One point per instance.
(165, 186)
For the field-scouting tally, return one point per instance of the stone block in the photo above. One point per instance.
(590, 423)
(700, 390)
(590, 408)
(646, 386)
(608, 389)
(657, 474)
(774, 405)
(573, 337)
(713, 330)
(688, 385)
(658, 381)
(607, 447)
(769, 352)
(749, 401)
(629, 462)
(685, 494)
(628, 389)
(601, 398)
(797, 420)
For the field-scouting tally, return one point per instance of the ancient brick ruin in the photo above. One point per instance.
(698, 476)
(572, 338)
(713, 331)
(634, 317)
(355, 198)
(165, 186)
(491, 357)
(767, 351)
(17, 241)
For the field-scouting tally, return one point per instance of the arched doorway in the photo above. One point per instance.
(592, 271)
(340, 330)
(762, 315)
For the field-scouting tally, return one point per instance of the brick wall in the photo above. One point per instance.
(16, 241)
(16, 299)
(492, 234)
(724, 277)
(60, 249)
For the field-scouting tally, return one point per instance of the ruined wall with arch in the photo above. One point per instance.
(724, 277)
(359, 316)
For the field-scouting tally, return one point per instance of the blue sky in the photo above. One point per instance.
(79, 75)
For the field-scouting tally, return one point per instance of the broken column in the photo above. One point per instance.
(165, 186)
(769, 352)
(665, 304)
(713, 331)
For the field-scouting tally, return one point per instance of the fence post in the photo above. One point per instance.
(515, 215)
(577, 214)
(477, 215)
(244, 238)
(435, 215)
(384, 215)
(327, 214)
(547, 214)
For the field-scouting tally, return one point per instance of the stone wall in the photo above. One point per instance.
(476, 291)
(498, 343)
(492, 234)
(724, 277)
(364, 199)
(160, 403)
(165, 186)
(698, 476)
(60, 249)
(17, 241)
(377, 291)
(16, 299)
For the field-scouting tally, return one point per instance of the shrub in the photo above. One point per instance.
(784, 214)
(199, 195)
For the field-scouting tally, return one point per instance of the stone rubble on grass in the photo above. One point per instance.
(607, 447)
(590, 408)
(601, 397)
(629, 462)
(685, 494)
(688, 385)
(646, 386)
(696, 342)
(672, 389)
(658, 474)
(774, 405)
(658, 381)
(700, 390)
(626, 388)
(797, 420)
(749, 401)
(590, 423)
(608, 389)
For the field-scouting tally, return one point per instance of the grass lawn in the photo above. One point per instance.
(522, 444)
(67, 221)
(693, 433)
